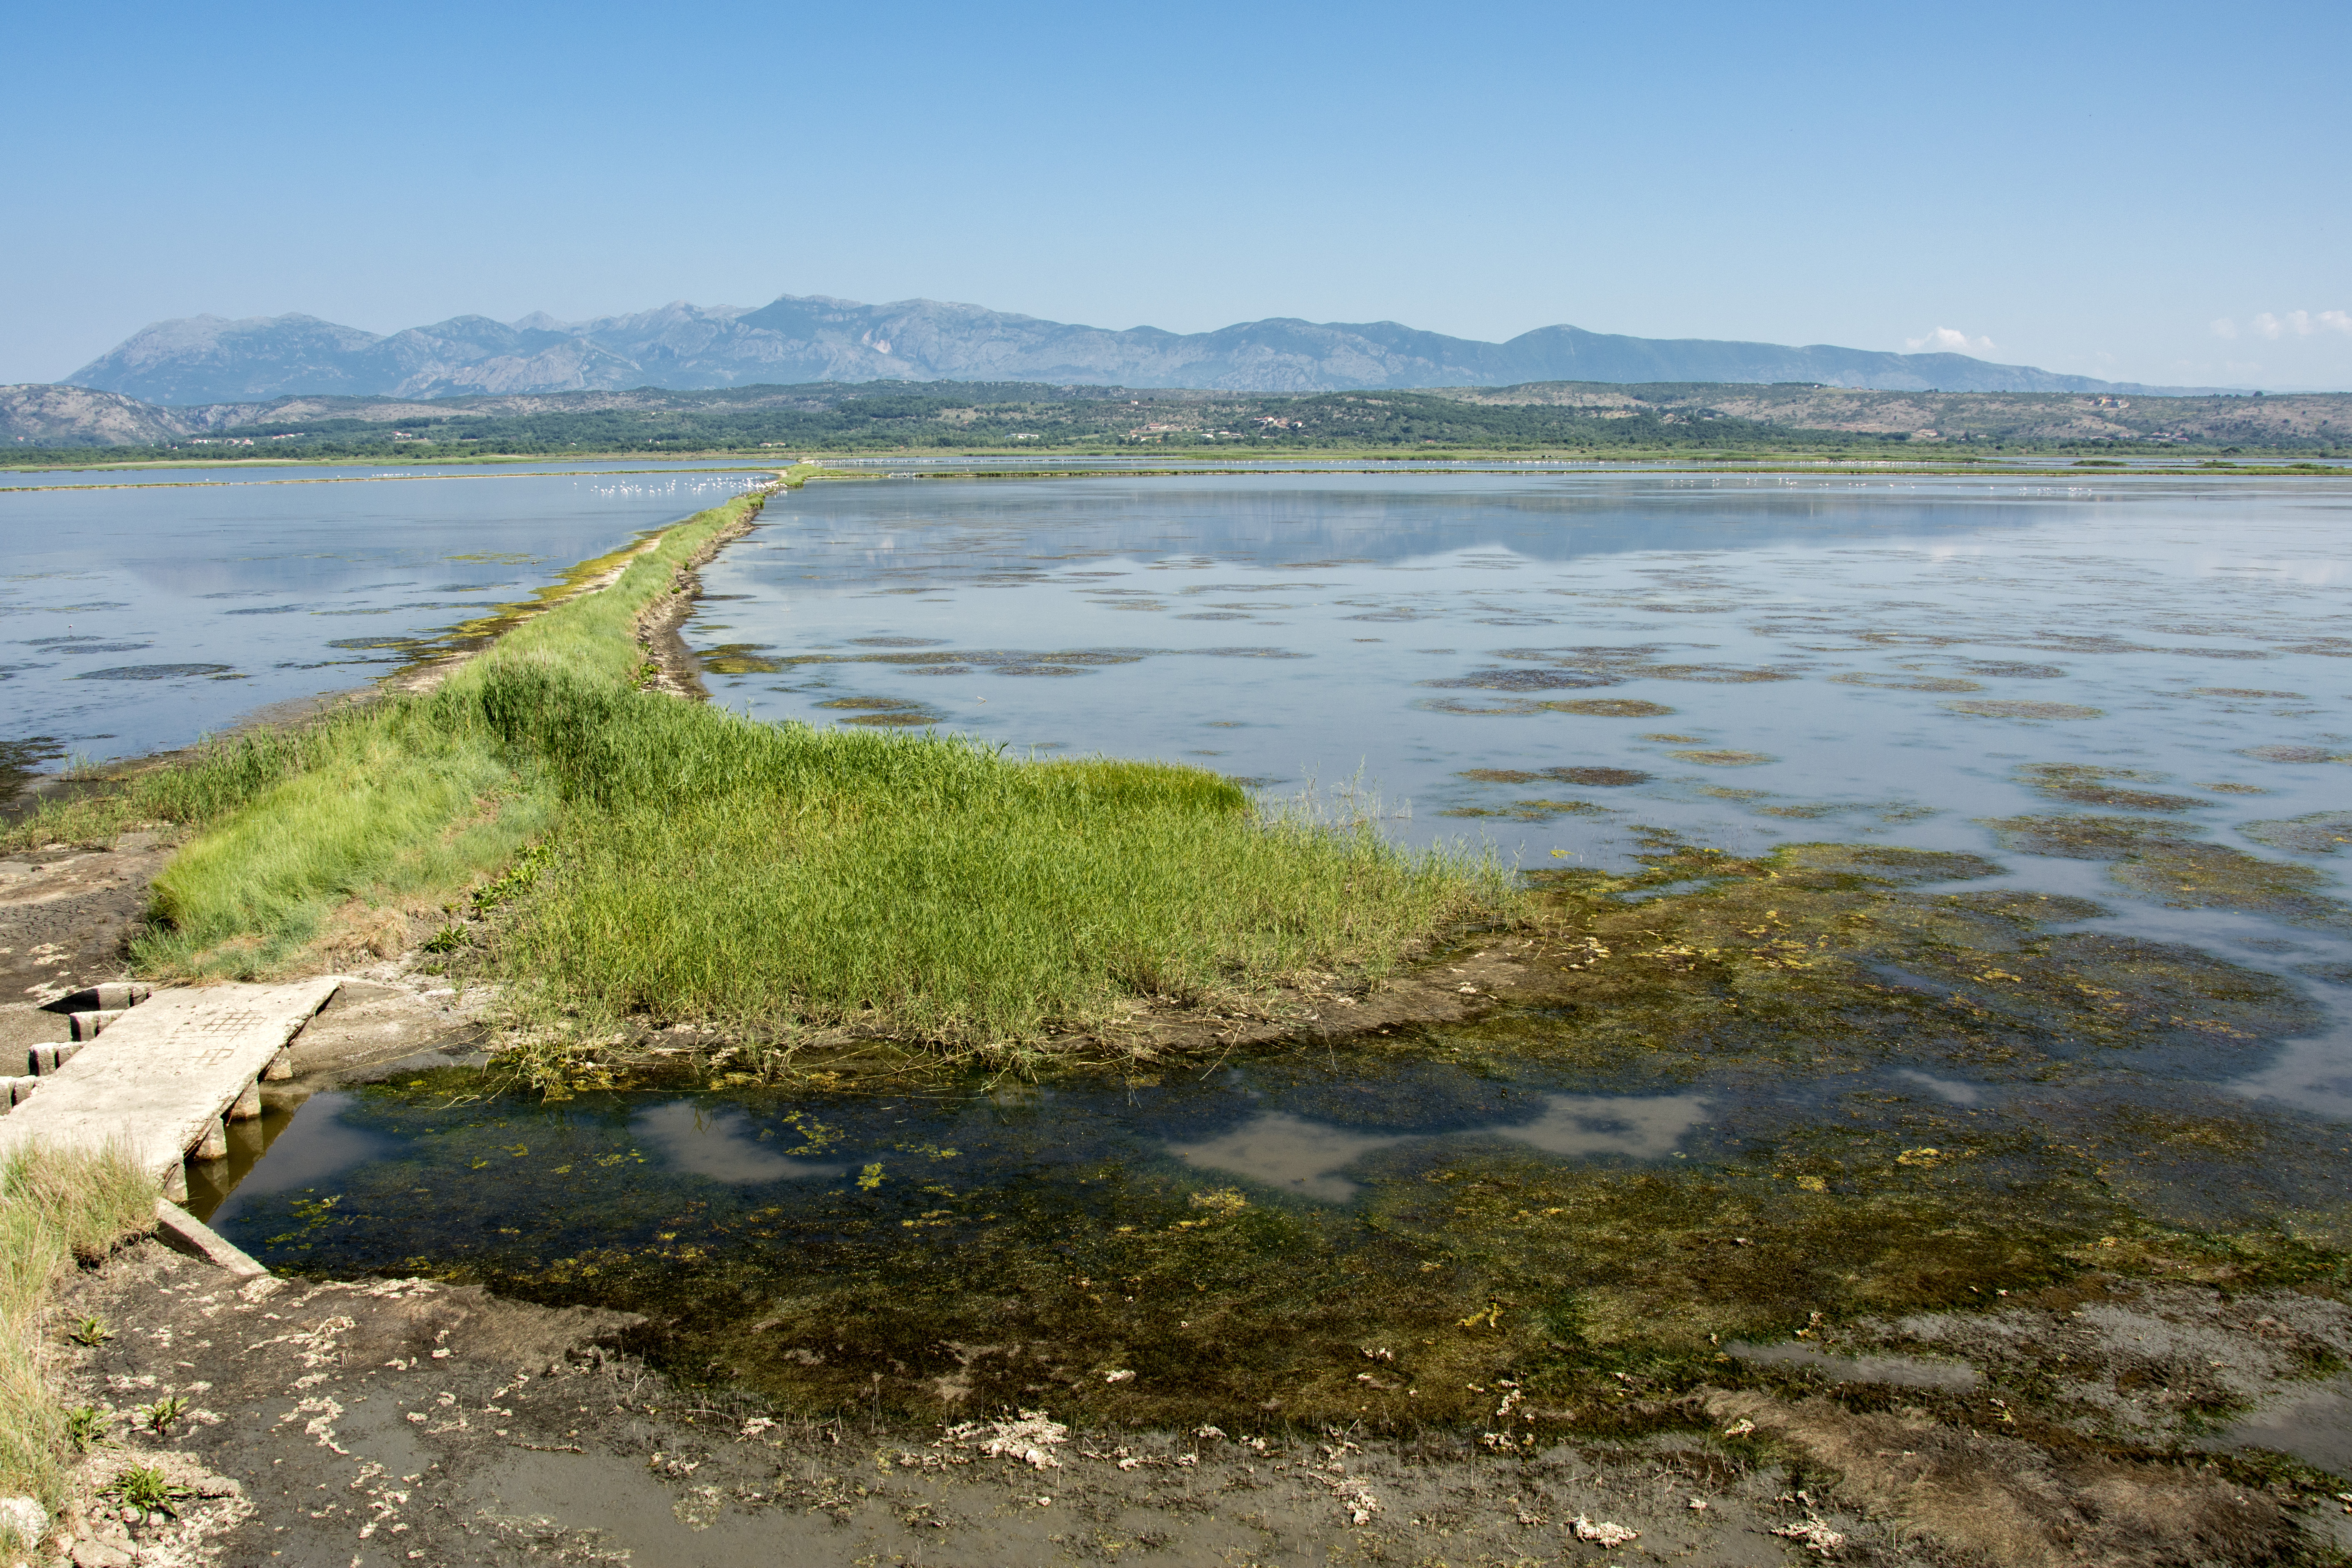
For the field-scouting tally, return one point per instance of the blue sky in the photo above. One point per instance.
(2142, 192)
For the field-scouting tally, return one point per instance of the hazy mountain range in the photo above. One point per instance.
(798, 340)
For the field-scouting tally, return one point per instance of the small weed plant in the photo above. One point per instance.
(147, 1489)
(86, 1428)
(450, 938)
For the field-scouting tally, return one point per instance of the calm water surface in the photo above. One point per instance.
(335, 473)
(140, 618)
(1860, 644)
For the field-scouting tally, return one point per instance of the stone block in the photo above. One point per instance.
(112, 997)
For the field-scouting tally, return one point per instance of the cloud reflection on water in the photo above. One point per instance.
(719, 1144)
(1305, 1157)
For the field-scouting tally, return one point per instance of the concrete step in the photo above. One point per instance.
(111, 997)
(159, 1081)
(42, 1060)
(89, 1025)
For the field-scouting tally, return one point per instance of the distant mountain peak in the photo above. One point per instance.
(683, 346)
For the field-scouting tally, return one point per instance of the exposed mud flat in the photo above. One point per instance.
(370, 1421)
(66, 912)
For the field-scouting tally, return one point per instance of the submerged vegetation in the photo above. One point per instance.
(1811, 1093)
(702, 869)
(2164, 859)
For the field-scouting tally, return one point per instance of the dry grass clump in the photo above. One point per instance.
(56, 1210)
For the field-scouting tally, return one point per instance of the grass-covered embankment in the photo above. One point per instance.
(779, 876)
(54, 1210)
(694, 865)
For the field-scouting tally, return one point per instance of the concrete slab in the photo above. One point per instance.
(183, 1232)
(162, 1076)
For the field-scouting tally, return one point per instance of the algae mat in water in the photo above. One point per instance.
(1743, 1097)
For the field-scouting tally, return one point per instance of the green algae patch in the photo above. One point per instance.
(1834, 1084)
(895, 712)
(2294, 754)
(1609, 707)
(1887, 811)
(1591, 777)
(2163, 860)
(2073, 838)
(739, 658)
(1724, 758)
(2020, 708)
(1832, 958)
(2208, 876)
(1531, 810)
(2087, 785)
(2321, 833)
(1606, 666)
(1803, 813)
(1885, 682)
(2243, 692)
(1514, 706)
(1127, 1289)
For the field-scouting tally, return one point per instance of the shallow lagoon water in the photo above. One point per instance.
(1233, 1229)
(1553, 661)
(141, 618)
(267, 473)
(1817, 654)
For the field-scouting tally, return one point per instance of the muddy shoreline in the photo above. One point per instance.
(388, 1421)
